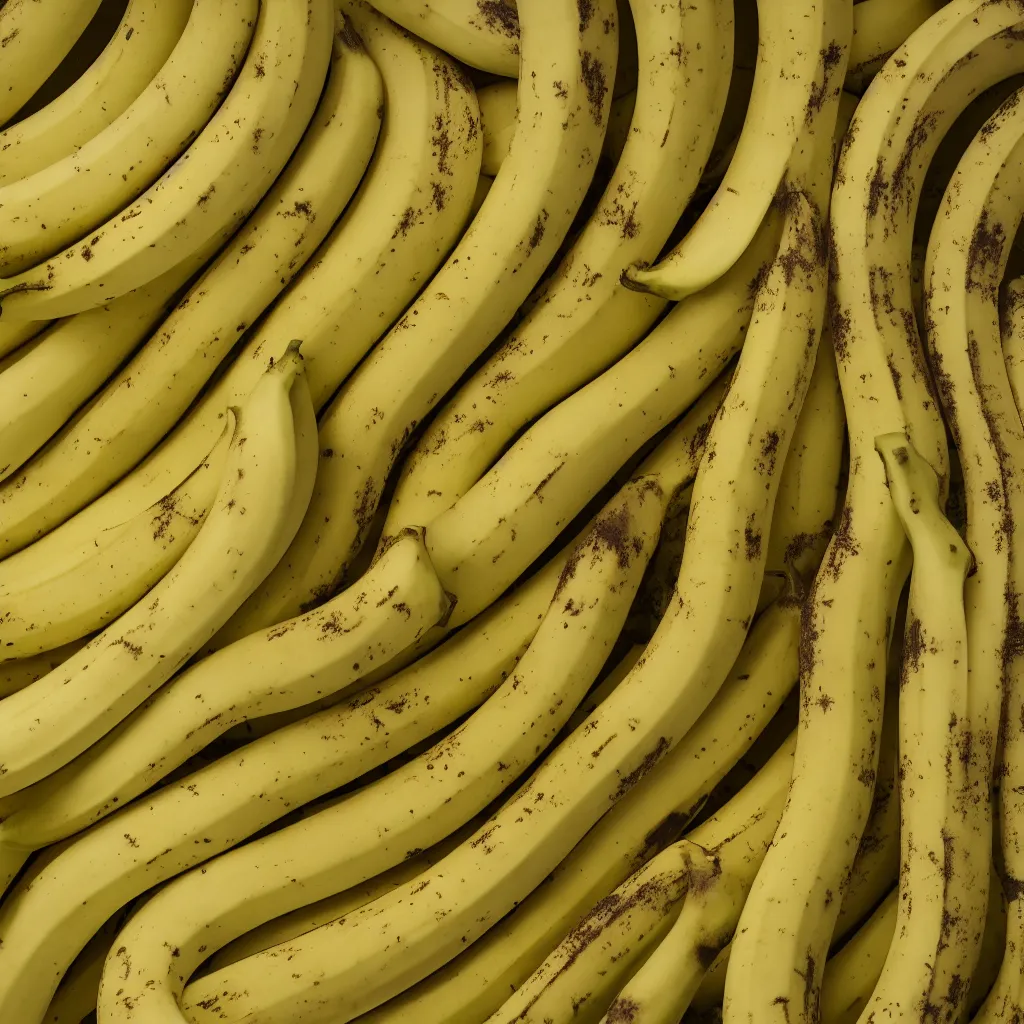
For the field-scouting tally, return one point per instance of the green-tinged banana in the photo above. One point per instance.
(498, 116)
(938, 933)
(584, 317)
(793, 41)
(231, 162)
(16, 675)
(879, 28)
(107, 576)
(1012, 334)
(968, 251)
(481, 33)
(495, 264)
(36, 35)
(387, 242)
(578, 978)
(426, 799)
(42, 212)
(151, 392)
(735, 839)
(141, 43)
(13, 336)
(685, 664)
(790, 913)
(653, 814)
(850, 976)
(262, 496)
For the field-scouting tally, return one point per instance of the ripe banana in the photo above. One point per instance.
(492, 269)
(1012, 320)
(13, 336)
(790, 912)
(735, 839)
(42, 213)
(479, 882)
(268, 475)
(141, 43)
(16, 675)
(231, 162)
(879, 28)
(107, 576)
(35, 36)
(154, 389)
(937, 935)
(793, 41)
(481, 33)
(498, 115)
(584, 318)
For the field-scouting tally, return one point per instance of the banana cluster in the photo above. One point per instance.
(508, 512)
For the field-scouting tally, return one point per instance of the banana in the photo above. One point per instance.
(584, 318)
(481, 33)
(879, 28)
(1013, 338)
(789, 914)
(35, 36)
(793, 40)
(498, 115)
(106, 577)
(13, 336)
(154, 389)
(41, 213)
(377, 247)
(850, 976)
(735, 839)
(232, 161)
(16, 675)
(497, 261)
(601, 761)
(267, 475)
(935, 946)
(141, 43)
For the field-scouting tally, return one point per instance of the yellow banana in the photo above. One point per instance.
(879, 28)
(232, 161)
(1013, 339)
(498, 259)
(16, 675)
(36, 35)
(583, 318)
(481, 34)
(12, 336)
(56, 718)
(498, 115)
(141, 43)
(153, 390)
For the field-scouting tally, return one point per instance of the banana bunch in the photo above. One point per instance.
(507, 511)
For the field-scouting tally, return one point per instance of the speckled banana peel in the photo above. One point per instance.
(788, 918)
(1012, 334)
(231, 162)
(484, 36)
(733, 496)
(585, 318)
(38, 34)
(50, 722)
(41, 213)
(152, 391)
(16, 675)
(879, 28)
(496, 262)
(105, 578)
(735, 840)
(141, 43)
(793, 40)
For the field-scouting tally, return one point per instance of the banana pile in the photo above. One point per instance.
(508, 512)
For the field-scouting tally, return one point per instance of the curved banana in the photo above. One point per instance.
(480, 881)
(584, 318)
(481, 33)
(13, 336)
(879, 28)
(498, 117)
(735, 839)
(794, 39)
(1012, 334)
(56, 718)
(498, 259)
(16, 675)
(232, 161)
(36, 35)
(790, 912)
(937, 935)
(106, 577)
(42, 213)
(141, 43)
(155, 388)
